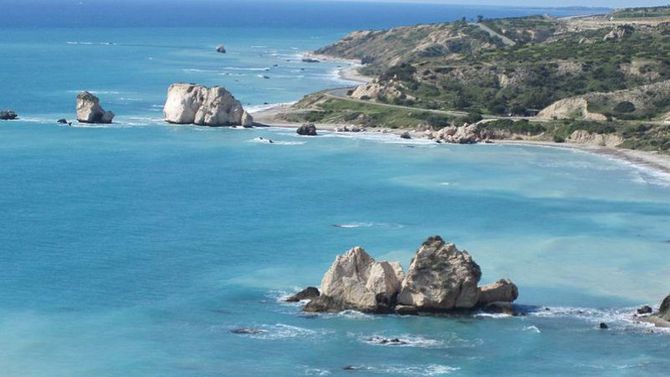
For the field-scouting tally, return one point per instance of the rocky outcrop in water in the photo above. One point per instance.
(8, 115)
(90, 111)
(200, 105)
(307, 130)
(441, 278)
(221, 49)
(664, 310)
(501, 291)
(306, 294)
(356, 281)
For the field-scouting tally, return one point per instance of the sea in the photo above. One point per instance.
(136, 249)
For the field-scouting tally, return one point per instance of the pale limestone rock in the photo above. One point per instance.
(500, 291)
(356, 281)
(585, 137)
(441, 278)
(197, 104)
(90, 111)
(570, 108)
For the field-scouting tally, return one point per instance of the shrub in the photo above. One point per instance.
(624, 107)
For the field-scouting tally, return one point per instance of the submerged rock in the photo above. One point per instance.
(90, 111)
(306, 294)
(247, 331)
(200, 105)
(645, 310)
(501, 308)
(8, 115)
(307, 130)
(441, 278)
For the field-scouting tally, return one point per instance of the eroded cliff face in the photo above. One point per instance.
(200, 105)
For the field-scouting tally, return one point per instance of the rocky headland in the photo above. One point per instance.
(90, 111)
(441, 279)
(203, 106)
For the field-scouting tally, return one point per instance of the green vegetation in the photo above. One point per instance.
(524, 29)
(642, 12)
(320, 109)
(621, 71)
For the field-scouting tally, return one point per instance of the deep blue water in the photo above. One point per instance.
(133, 249)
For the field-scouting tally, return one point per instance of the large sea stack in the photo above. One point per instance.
(90, 111)
(203, 106)
(441, 279)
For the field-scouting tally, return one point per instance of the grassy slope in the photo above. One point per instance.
(459, 66)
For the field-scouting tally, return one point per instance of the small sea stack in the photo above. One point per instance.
(441, 279)
(90, 111)
(8, 115)
(307, 130)
(203, 106)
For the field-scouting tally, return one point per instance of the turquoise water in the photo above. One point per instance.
(133, 249)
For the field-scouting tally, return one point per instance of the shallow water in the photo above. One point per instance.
(134, 249)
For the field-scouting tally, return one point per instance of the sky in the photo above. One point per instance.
(513, 3)
(543, 3)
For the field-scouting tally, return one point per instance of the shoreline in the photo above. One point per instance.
(641, 159)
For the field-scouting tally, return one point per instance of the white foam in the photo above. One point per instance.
(493, 315)
(250, 69)
(533, 329)
(262, 140)
(355, 225)
(616, 318)
(316, 372)
(283, 331)
(257, 108)
(418, 370)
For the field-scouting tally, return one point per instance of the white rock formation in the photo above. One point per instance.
(197, 104)
(570, 108)
(90, 111)
(356, 281)
(500, 291)
(441, 278)
(466, 134)
(604, 140)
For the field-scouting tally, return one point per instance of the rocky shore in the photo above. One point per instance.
(660, 318)
(441, 279)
